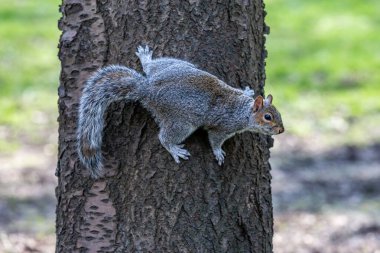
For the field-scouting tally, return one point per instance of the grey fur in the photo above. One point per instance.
(105, 86)
(181, 99)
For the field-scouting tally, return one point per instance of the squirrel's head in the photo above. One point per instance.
(267, 118)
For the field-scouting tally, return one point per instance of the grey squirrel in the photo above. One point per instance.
(181, 98)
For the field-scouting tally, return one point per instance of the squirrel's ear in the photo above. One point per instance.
(268, 100)
(258, 104)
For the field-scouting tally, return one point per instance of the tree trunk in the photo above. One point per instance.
(146, 202)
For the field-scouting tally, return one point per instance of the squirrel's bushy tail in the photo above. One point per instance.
(105, 86)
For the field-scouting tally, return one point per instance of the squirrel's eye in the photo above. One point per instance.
(268, 117)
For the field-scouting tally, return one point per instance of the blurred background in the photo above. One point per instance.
(323, 70)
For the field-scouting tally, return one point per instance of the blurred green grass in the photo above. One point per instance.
(29, 71)
(323, 68)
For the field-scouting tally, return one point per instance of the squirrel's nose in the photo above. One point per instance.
(281, 130)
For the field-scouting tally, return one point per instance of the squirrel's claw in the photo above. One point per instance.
(177, 151)
(219, 156)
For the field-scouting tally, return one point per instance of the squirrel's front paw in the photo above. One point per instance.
(177, 151)
(248, 92)
(219, 155)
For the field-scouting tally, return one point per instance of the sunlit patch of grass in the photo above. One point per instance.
(323, 67)
(29, 69)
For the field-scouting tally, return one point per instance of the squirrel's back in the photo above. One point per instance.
(190, 94)
(189, 81)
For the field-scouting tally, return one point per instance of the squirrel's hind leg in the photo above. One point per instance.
(145, 56)
(172, 135)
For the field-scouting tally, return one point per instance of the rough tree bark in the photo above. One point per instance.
(146, 202)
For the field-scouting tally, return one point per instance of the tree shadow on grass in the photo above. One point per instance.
(345, 177)
(27, 214)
